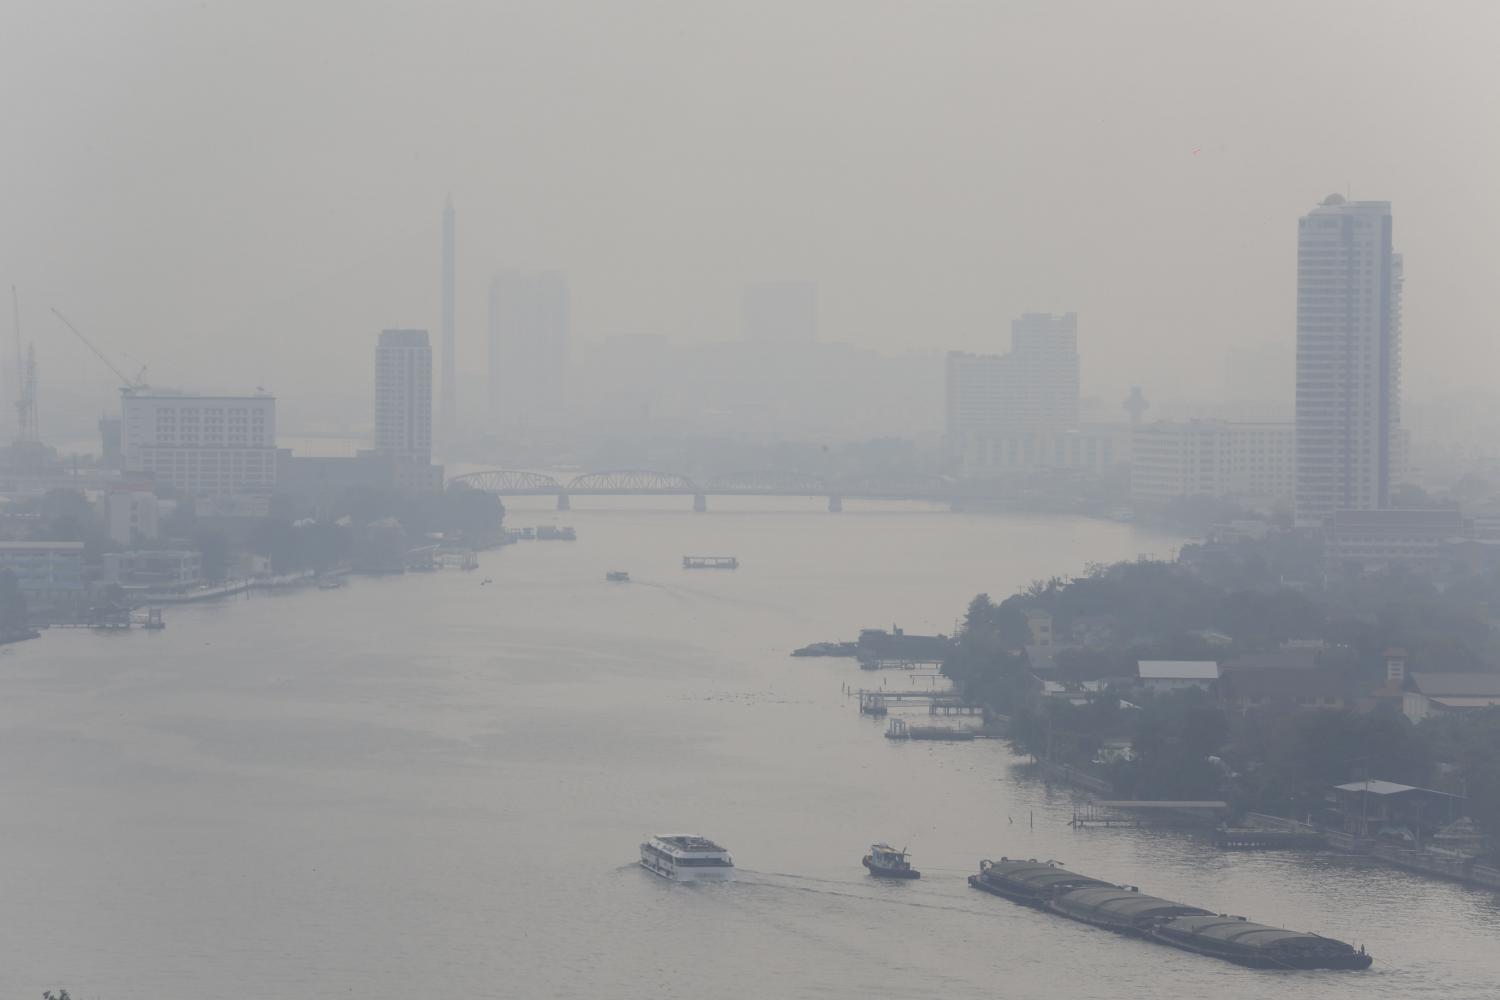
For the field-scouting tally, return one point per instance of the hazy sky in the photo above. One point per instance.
(244, 193)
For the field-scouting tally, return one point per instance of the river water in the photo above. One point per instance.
(430, 785)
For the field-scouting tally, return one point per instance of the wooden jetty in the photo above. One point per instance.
(945, 702)
(1142, 812)
(1262, 832)
(1251, 839)
(900, 730)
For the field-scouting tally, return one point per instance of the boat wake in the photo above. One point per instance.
(848, 890)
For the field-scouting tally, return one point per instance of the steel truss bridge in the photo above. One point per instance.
(644, 483)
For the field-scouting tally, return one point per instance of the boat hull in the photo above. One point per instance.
(881, 872)
(1354, 961)
(979, 882)
(675, 873)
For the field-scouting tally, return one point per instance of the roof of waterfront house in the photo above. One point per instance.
(1178, 670)
(1377, 786)
(1441, 685)
(1287, 683)
(1286, 659)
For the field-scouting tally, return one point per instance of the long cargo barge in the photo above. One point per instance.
(1044, 885)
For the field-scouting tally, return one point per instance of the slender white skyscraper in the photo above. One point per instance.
(403, 395)
(449, 421)
(1348, 358)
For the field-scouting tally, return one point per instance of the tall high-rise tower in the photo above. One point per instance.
(403, 395)
(1348, 358)
(449, 420)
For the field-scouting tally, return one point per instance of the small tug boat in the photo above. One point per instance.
(887, 862)
(686, 857)
(617, 576)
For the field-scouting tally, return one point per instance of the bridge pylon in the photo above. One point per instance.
(835, 504)
(563, 503)
(700, 503)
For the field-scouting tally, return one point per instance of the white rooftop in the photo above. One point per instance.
(1377, 786)
(1178, 670)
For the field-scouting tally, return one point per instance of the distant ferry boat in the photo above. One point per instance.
(617, 576)
(686, 858)
(887, 862)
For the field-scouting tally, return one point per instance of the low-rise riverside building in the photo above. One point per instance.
(1253, 462)
(1177, 675)
(1283, 690)
(1431, 694)
(47, 571)
(1373, 540)
(154, 569)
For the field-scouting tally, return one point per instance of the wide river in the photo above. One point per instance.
(435, 785)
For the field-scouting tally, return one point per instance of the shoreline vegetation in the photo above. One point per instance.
(1060, 660)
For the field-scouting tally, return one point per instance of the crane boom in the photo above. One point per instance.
(125, 380)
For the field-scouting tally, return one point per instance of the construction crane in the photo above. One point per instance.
(125, 380)
(27, 431)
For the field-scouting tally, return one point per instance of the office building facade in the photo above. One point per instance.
(1253, 462)
(403, 395)
(1348, 358)
(200, 445)
(1034, 389)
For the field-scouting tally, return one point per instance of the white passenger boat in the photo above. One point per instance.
(685, 857)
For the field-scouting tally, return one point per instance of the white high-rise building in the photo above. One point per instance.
(1348, 358)
(1032, 390)
(201, 446)
(403, 395)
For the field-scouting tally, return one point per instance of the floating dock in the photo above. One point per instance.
(710, 562)
(1045, 885)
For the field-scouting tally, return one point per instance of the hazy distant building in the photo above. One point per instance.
(109, 442)
(780, 312)
(530, 320)
(201, 445)
(1373, 540)
(1034, 389)
(130, 516)
(403, 395)
(1212, 458)
(154, 569)
(45, 570)
(449, 401)
(1093, 450)
(1348, 358)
